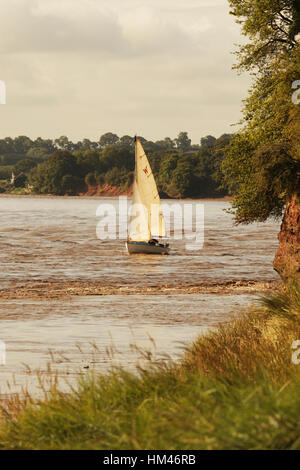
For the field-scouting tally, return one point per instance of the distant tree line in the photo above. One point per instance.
(62, 167)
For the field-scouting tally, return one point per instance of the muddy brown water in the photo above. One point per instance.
(53, 241)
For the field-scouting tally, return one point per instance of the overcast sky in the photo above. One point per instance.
(85, 67)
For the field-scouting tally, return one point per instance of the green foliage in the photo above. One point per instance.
(208, 167)
(56, 167)
(196, 174)
(10, 159)
(117, 177)
(236, 388)
(5, 172)
(4, 186)
(262, 163)
(100, 178)
(71, 184)
(117, 157)
(208, 141)
(20, 181)
(14, 150)
(183, 142)
(37, 153)
(90, 179)
(271, 26)
(113, 177)
(58, 175)
(166, 144)
(285, 304)
(127, 141)
(63, 143)
(108, 139)
(165, 170)
(24, 166)
(182, 180)
(88, 161)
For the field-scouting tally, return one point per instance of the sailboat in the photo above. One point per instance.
(146, 221)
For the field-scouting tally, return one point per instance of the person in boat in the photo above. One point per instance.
(153, 241)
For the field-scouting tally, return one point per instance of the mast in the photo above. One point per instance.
(135, 143)
(134, 179)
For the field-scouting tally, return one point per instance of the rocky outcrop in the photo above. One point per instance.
(287, 259)
(106, 191)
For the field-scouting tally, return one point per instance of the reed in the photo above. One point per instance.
(235, 388)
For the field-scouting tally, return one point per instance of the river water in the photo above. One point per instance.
(54, 239)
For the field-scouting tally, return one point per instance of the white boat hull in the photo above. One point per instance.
(146, 248)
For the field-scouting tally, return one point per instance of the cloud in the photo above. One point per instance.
(92, 26)
(48, 26)
(147, 30)
(84, 67)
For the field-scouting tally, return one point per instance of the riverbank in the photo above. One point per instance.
(102, 194)
(51, 289)
(235, 388)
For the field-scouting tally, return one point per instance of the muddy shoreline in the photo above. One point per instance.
(53, 289)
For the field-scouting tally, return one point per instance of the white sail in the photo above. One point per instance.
(148, 191)
(138, 223)
(151, 221)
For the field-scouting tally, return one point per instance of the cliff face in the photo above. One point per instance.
(106, 191)
(287, 259)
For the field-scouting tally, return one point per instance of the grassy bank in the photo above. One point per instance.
(236, 388)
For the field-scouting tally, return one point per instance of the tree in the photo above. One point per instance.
(208, 166)
(108, 139)
(20, 181)
(183, 142)
(58, 175)
(7, 145)
(70, 184)
(167, 167)
(90, 179)
(46, 144)
(61, 172)
(88, 161)
(87, 144)
(126, 141)
(262, 163)
(183, 178)
(24, 166)
(100, 179)
(116, 177)
(22, 144)
(272, 27)
(166, 144)
(63, 143)
(5, 172)
(207, 142)
(115, 156)
(37, 153)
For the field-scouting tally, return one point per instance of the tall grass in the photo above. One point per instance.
(235, 388)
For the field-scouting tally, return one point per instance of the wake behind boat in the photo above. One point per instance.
(146, 221)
